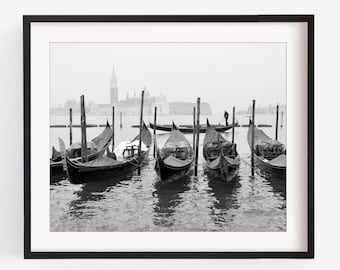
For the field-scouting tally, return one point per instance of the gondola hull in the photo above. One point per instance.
(275, 166)
(170, 173)
(107, 167)
(57, 169)
(187, 129)
(222, 169)
(78, 173)
(57, 172)
(279, 171)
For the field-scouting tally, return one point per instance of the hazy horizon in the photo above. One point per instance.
(222, 74)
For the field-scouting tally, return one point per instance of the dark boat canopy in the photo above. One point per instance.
(98, 143)
(212, 135)
(103, 138)
(276, 154)
(146, 136)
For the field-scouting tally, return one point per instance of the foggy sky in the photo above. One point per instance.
(223, 74)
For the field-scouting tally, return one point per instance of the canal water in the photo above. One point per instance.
(142, 203)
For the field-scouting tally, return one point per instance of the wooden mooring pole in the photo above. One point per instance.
(197, 134)
(70, 126)
(193, 128)
(113, 128)
(140, 133)
(277, 122)
(154, 133)
(121, 120)
(252, 137)
(233, 130)
(83, 130)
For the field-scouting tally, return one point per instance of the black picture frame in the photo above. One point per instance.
(27, 20)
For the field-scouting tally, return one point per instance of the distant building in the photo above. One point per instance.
(270, 109)
(113, 88)
(102, 109)
(71, 104)
(163, 107)
(131, 105)
(186, 108)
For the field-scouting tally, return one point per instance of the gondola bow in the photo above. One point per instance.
(174, 160)
(269, 154)
(222, 159)
(96, 149)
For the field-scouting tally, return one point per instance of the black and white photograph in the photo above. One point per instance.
(168, 136)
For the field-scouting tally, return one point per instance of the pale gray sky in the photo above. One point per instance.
(223, 74)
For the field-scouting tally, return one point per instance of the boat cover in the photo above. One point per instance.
(175, 162)
(103, 138)
(279, 161)
(56, 156)
(101, 162)
(232, 162)
(146, 136)
(213, 140)
(264, 145)
(77, 145)
(95, 145)
(259, 138)
(177, 146)
(212, 136)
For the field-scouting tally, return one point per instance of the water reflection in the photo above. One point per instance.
(56, 177)
(225, 195)
(96, 191)
(168, 195)
(278, 182)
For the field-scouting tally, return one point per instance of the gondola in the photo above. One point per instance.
(269, 154)
(189, 129)
(108, 167)
(96, 148)
(222, 159)
(174, 160)
(56, 163)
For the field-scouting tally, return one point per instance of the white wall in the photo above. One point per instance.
(327, 182)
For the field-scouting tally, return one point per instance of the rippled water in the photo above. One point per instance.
(143, 203)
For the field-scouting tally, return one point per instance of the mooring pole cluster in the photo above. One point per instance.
(252, 137)
(83, 129)
(140, 132)
(70, 126)
(193, 129)
(277, 123)
(197, 134)
(113, 128)
(154, 132)
(233, 130)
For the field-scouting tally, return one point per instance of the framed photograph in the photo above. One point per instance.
(169, 136)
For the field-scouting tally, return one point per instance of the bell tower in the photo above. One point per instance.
(113, 88)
